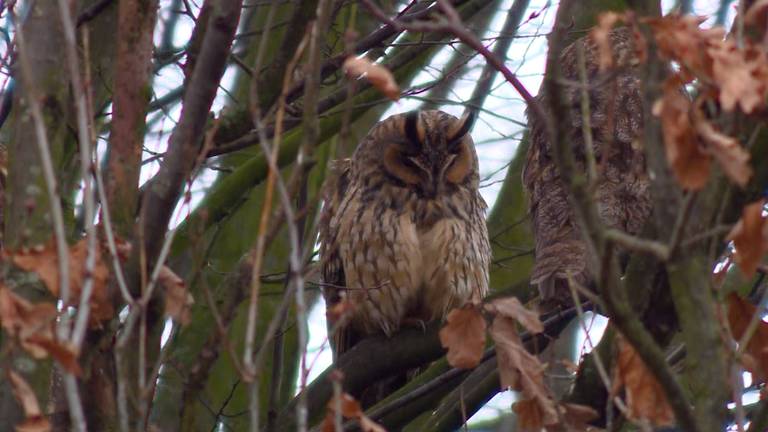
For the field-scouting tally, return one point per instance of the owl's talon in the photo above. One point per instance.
(415, 322)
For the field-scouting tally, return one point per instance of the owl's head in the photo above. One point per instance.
(429, 151)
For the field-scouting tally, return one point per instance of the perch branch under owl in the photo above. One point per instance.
(380, 356)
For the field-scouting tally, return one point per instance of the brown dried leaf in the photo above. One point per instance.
(750, 237)
(464, 337)
(37, 424)
(679, 38)
(577, 417)
(757, 15)
(731, 156)
(511, 307)
(32, 325)
(34, 420)
(339, 310)
(645, 397)
(689, 163)
(530, 415)
(521, 370)
(45, 261)
(368, 425)
(507, 343)
(62, 353)
(20, 318)
(740, 73)
(600, 34)
(178, 301)
(350, 409)
(740, 314)
(379, 76)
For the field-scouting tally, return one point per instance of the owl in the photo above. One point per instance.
(402, 230)
(622, 187)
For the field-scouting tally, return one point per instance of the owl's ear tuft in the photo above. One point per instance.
(414, 129)
(461, 128)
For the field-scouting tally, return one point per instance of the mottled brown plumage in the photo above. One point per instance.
(621, 192)
(402, 232)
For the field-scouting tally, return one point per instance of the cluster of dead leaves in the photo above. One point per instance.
(737, 76)
(379, 76)
(349, 408)
(32, 325)
(519, 370)
(44, 262)
(644, 395)
(733, 76)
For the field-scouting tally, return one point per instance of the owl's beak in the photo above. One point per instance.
(430, 186)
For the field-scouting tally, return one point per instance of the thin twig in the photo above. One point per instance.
(92, 11)
(601, 369)
(295, 278)
(71, 391)
(258, 253)
(586, 119)
(454, 26)
(681, 222)
(86, 161)
(637, 244)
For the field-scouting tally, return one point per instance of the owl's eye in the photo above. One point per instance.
(460, 164)
(401, 165)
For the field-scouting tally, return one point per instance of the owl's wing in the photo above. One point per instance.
(332, 267)
(559, 249)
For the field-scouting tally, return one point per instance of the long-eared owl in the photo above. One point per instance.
(402, 231)
(621, 188)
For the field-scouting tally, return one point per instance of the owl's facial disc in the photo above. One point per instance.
(430, 160)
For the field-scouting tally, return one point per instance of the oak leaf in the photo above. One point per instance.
(518, 369)
(45, 263)
(522, 371)
(740, 74)
(731, 156)
(645, 396)
(750, 237)
(679, 38)
(349, 409)
(757, 14)
(511, 307)
(577, 417)
(600, 34)
(740, 314)
(32, 325)
(464, 337)
(689, 162)
(379, 76)
(178, 301)
(34, 421)
(531, 417)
